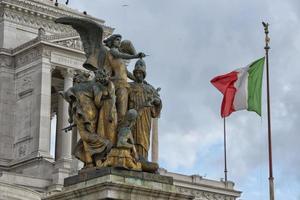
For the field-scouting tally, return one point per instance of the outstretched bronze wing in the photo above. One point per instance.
(91, 35)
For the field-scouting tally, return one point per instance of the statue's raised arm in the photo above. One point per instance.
(121, 49)
(91, 35)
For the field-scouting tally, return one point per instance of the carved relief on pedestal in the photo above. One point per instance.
(24, 87)
(5, 61)
(22, 147)
(28, 57)
(22, 151)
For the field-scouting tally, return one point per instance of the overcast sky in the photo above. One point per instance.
(190, 42)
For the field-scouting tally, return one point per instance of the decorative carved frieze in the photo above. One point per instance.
(203, 195)
(66, 60)
(71, 43)
(38, 14)
(35, 21)
(28, 56)
(56, 37)
(70, 40)
(39, 6)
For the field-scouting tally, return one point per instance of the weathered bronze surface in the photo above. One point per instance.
(113, 117)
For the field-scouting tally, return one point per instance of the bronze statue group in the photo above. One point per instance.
(113, 116)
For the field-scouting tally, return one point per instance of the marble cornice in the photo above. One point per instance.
(72, 35)
(33, 19)
(46, 40)
(41, 13)
(26, 45)
(67, 41)
(4, 51)
(38, 48)
(45, 8)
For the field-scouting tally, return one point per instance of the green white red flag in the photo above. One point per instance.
(241, 88)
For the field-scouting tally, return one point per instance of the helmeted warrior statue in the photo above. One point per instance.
(145, 98)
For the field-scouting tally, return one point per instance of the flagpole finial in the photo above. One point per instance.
(266, 26)
(267, 38)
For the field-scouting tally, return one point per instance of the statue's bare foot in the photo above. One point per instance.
(98, 163)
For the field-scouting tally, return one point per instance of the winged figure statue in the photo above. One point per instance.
(91, 35)
(108, 54)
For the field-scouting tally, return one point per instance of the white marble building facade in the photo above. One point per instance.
(38, 58)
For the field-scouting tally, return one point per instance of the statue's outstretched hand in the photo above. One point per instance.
(141, 55)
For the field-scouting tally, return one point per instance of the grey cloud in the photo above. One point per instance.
(190, 42)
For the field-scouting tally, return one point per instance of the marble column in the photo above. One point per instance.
(44, 119)
(154, 145)
(64, 139)
(63, 153)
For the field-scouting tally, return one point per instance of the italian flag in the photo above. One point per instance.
(241, 88)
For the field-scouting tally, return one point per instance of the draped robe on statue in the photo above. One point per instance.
(105, 128)
(85, 117)
(138, 96)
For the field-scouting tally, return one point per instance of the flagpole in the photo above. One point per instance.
(225, 157)
(271, 178)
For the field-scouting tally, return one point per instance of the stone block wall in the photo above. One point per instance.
(7, 108)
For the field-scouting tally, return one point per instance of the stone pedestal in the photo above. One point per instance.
(110, 183)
